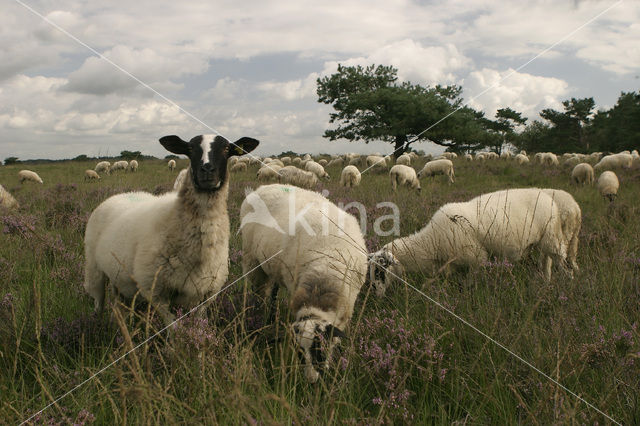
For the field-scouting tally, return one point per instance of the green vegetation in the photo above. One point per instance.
(406, 361)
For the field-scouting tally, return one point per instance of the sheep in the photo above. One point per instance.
(294, 176)
(614, 161)
(318, 254)
(172, 165)
(133, 166)
(103, 166)
(570, 222)
(323, 162)
(481, 156)
(582, 174)
(549, 158)
(120, 165)
(414, 156)
(608, 185)
(25, 175)
(91, 175)
(306, 157)
(276, 162)
(336, 162)
(505, 155)
(286, 160)
(404, 175)
(317, 169)
(350, 177)
(172, 248)
(503, 223)
(522, 159)
(177, 184)
(6, 200)
(238, 167)
(268, 172)
(449, 155)
(468, 157)
(296, 161)
(376, 161)
(404, 159)
(357, 161)
(438, 167)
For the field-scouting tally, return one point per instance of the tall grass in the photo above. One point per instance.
(406, 360)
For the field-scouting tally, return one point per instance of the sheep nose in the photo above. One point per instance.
(207, 168)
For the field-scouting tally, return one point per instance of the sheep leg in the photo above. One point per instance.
(95, 283)
(271, 296)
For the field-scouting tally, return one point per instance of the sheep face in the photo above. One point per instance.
(316, 339)
(208, 155)
(380, 265)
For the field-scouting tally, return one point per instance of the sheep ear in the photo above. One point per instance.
(176, 145)
(332, 331)
(243, 146)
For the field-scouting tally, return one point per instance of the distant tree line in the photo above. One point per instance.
(371, 105)
(124, 155)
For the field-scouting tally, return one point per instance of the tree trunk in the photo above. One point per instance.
(400, 147)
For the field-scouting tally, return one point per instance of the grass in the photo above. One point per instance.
(406, 360)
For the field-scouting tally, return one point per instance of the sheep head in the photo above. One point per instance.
(381, 265)
(316, 339)
(208, 155)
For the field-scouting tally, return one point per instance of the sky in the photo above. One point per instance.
(96, 78)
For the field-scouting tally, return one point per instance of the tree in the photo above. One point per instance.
(618, 128)
(370, 105)
(11, 160)
(505, 125)
(130, 155)
(567, 128)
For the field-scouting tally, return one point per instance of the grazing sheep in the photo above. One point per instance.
(481, 156)
(172, 165)
(549, 158)
(286, 160)
(120, 165)
(350, 177)
(522, 159)
(438, 167)
(296, 161)
(306, 157)
(177, 184)
(276, 162)
(608, 185)
(582, 174)
(103, 166)
(404, 175)
(6, 200)
(614, 161)
(133, 166)
(505, 155)
(91, 175)
(503, 223)
(318, 254)
(376, 162)
(268, 172)
(238, 167)
(336, 162)
(24, 175)
(468, 157)
(404, 159)
(449, 155)
(172, 248)
(317, 169)
(570, 222)
(357, 161)
(323, 162)
(294, 176)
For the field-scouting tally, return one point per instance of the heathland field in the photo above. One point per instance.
(410, 357)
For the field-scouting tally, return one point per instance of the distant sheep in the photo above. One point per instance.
(376, 162)
(323, 162)
(6, 200)
(404, 175)
(28, 175)
(317, 169)
(404, 159)
(120, 165)
(350, 177)
(608, 185)
(320, 258)
(614, 161)
(582, 174)
(172, 165)
(549, 158)
(522, 159)
(91, 175)
(286, 160)
(103, 166)
(438, 167)
(268, 173)
(238, 167)
(336, 162)
(468, 157)
(294, 176)
(133, 166)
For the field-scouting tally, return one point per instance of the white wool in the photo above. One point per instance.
(614, 161)
(438, 167)
(320, 258)
(582, 174)
(133, 166)
(6, 199)
(286, 160)
(336, 162)
(404, 159)
(29, 175)
(294, 176)
(449, 155)
(177, 184)
(350, 177)
(608, 185)
(317, 169)
(522, 158)
(268, 172)
(404, 175)
(103, 166)
(120, 165)
(376, 161)
(323, 162)
(571, 222)
(91, 175)
(238, 167)
(503, 223)
(468, 157)
(172, 164)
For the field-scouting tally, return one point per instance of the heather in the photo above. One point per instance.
(407, 360)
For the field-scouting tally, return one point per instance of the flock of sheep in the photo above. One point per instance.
(172, 249)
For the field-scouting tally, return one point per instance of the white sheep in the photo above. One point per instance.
(336, 162)
(238, 167)
(522, 159)
(548, 158)
(608, 185)
(286, 160)
(614, 161)
(103, 166)
(296, 161)
(449, 155)
(306, 157)
(299, 239)
(172, 165)
(133, 166)
(268, 172)
(481, 156)
(570, 221)
(172, 248)
(6, 200)
(583, 174)
(505, 155)
(376, 161)
(438, 167)
(177, 184)
(91, 175)
(503, 223)
(275, 162)
(294, 176)
(468, 157)
(350, 177)
(28, 175)
(120, 165)
(323, 162)
(317, 169)
(404, 159)
(404, 175)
